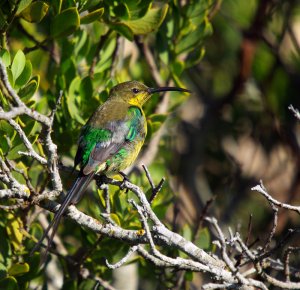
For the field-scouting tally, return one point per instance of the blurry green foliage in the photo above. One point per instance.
(77, 47)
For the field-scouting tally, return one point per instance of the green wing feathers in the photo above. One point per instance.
(89, 138)
(99, 148)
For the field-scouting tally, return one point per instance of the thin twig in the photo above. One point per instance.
(295, 111)
(96, 57)
(286, 259)
(124, 260)
(155, 189)
(273, 230)
(260, 188)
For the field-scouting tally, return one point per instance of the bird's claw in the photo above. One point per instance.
(125, 178)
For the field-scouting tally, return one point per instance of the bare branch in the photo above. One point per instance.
(287, 261)
(16, 189)
(295, 111)
(14, 193)
(31, 152)
(223, 247)
(272, 233)
(260, 188)
(123, 260)
(155, 189)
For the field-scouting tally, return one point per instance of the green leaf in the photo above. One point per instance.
(91, 17)
(158, 117)
(25, 75)
(14, 233)
(5, 57)
(22, 5)
(86, 88)
(9, 283)
(18, 65)
(13, 153)
(36, 231)
(6, 128)
(88, 5)
(189, 41)
(120, 203)
(83, 47)
(3, 101)
(105, 55)
(74, 86)
(31, 127)
(196, 11)
(122, 11)
(35, 12)
(18, 269)
(138, 9)
(203, 240)
(194, 57)
(155, 126)
(193, 38)
(4, 144)
(177, 67)
(20, 165)
(115, 218)
(86, 284)
(34, 265)
(68, 71)
(27, 92)
(80, 40)
(101, 197)
(65, 23)
(123, 29)
(150, 22)
(71, 103)
(10, 75)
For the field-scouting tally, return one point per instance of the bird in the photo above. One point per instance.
(109, 142)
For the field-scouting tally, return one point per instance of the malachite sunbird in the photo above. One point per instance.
(109, 142)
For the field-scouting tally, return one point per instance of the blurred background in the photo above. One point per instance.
(237, 129)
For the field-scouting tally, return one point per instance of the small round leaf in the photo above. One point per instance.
(65, 23)
(18, 64)
(35, 12)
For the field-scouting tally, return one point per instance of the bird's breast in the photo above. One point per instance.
(135, 127)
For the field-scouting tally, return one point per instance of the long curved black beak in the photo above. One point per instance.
(167, 89)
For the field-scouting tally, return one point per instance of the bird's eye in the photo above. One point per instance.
(135, 90)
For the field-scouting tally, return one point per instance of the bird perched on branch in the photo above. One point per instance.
(109, 142)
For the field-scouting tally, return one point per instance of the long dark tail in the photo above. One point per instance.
(72, 197)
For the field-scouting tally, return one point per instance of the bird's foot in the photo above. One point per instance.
(101, 180)
(125, 178)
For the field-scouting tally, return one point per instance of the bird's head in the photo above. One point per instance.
(136, 94)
